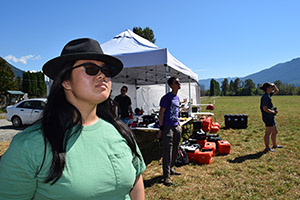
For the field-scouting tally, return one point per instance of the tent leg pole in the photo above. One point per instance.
(190, 98)
(166, 78)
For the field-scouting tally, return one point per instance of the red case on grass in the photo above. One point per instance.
(224, 147)
(201, 142)
(200, 157)
(205, 157)
(210, 145)
(206, 124)
(214, 129)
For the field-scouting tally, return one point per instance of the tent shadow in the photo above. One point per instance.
(152, 181)
(241, 159)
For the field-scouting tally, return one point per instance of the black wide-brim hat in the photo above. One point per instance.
(81, 49)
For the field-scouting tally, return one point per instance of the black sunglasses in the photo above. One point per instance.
(177, 83)
(92, 69)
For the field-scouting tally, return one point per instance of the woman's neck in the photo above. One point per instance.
(89, 118)
(88, 114)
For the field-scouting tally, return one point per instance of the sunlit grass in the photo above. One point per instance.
(246, 173)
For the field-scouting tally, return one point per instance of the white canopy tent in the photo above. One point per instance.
(145, 65)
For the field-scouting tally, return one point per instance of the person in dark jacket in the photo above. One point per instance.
(268, 115)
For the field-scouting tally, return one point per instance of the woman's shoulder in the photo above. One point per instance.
(27, 145)
(265, 95)
(31, 135)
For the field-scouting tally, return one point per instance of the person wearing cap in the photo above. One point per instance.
(268, 115)
(170, 129)
(124, 105)
(80, 149)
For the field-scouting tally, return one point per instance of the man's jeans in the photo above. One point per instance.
(125, 120)
(170, 142)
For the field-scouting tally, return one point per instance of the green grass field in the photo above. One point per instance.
(246, 173)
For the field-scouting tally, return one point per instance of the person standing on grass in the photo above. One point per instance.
(170, 129)
(80, 149)
(268, 115)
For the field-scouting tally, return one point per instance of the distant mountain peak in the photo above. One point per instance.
(17, 71)
(287, 72)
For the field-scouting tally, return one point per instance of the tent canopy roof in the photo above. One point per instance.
(144, 62)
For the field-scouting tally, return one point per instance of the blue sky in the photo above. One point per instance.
(215, 38)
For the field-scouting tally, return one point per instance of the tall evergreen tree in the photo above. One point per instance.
(249, 87)
(7, 77)
(146, 33)
(217, 89)
(41, 84)
(34, 84)
(19, 83)
(212, 87)
(237, 86)
(225, 87)
(231, 89)
(26, 82)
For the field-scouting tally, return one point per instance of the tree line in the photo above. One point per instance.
(32, 83)
(238, 87)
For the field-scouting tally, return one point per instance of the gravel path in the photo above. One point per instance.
(7, 131)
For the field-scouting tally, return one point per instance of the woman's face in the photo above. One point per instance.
(269, 89)
(84, 88)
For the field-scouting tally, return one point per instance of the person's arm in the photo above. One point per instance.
(130, 109)
(267, 110)
(276, 90)
(161, 121)
(161, 116)
(115, 106)
(138, 190)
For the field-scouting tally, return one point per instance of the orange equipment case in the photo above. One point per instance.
(200, 157)
(210, 145)
(201, 143)
(224, 147)
(206, 124)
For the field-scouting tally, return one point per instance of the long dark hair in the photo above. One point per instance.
(60, 117)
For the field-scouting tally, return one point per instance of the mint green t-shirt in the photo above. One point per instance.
(99, 165)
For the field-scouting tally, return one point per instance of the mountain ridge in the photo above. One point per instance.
(17, 71)
(287, 72)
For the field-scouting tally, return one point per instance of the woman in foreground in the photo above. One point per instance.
(79, 150)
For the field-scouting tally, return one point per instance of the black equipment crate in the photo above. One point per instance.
(236, 121)
(197, 125)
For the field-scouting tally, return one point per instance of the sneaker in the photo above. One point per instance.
(277, 146)
(168, 182)
(269, 149)
(175, 173)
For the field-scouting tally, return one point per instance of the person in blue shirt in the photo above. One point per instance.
(268, 115)
(170, 129)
